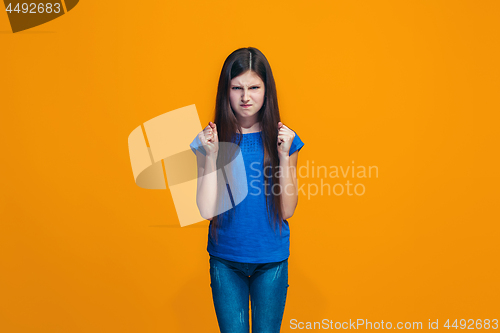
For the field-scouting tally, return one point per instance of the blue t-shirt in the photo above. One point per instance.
(249, 236)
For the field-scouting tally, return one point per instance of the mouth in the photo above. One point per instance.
(245, 105)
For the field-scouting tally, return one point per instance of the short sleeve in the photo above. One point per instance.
(197, 145)
(297, 144)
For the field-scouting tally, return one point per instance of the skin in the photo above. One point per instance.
(288, 173)
(246, 88)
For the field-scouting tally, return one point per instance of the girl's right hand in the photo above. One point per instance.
(210, 139)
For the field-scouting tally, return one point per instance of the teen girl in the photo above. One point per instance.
(248, 256)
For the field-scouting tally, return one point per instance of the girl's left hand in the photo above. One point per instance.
(285, 138)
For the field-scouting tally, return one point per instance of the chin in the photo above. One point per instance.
(246, 114)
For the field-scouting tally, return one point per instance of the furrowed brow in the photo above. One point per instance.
(241, 85)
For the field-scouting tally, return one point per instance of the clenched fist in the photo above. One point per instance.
(210, 139)
(285, 138)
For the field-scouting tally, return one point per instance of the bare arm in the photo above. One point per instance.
(206, 195)
(288, 184)
(206, 192)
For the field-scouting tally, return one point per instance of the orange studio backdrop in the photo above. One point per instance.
(407, 90)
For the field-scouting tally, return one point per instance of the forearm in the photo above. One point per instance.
(288, 187)
(206, 197)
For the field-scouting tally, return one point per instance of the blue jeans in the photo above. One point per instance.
(233, 282)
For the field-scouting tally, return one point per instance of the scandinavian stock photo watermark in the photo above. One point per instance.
(453, 323)
(320, 179)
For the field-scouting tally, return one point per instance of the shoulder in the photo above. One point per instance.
(196, 145)
(297, 144)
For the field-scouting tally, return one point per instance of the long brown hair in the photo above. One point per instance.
(228, 128)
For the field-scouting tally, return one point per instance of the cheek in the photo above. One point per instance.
(233, 99)
(260, 98)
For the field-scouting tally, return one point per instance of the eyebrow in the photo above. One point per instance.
(239, 85)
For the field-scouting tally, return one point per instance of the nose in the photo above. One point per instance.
(244, 97)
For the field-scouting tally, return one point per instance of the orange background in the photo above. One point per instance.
(410, 87)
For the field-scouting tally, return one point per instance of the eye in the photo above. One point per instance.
(236, 88)
(255, 87)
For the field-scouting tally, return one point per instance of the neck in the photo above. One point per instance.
(249, 126)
